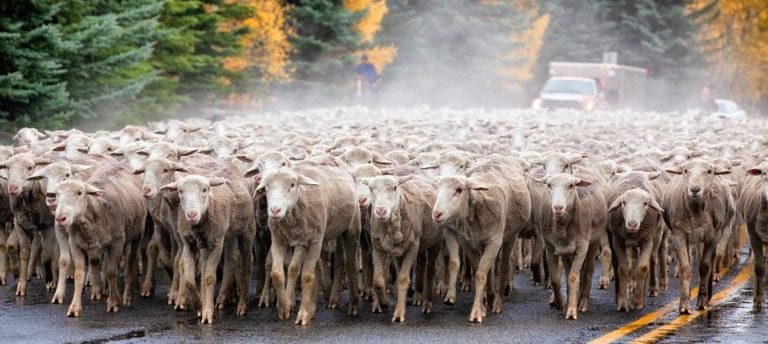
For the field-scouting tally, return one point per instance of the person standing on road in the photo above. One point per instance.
(366, 75)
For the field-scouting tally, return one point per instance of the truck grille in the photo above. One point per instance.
(561, 104)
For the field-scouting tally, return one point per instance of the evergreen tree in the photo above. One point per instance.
(323, 45)
(114, 41)
(32, 90)
(450, 52)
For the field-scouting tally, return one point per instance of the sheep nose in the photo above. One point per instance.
(275, 211)
(381, 212)
(147, 191)
(558, 207)
(13, 189)
(695, 189)
(362, 200)
(61, 219)
(191, 214)
(437, 215)
(632, 224)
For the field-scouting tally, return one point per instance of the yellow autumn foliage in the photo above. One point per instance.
(529, 44)
(368, 26)
(738, 47)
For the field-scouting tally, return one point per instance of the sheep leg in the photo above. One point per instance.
(78, 258)
(421, 265)
(527, 255)
(553, 266)
(33, 268)
(605, 261)
(112, 263)
(338, 276)
(3, 255)
(653, 282)
(208, 281)
(642, 272)
(684, 265)
(484, 265)
(94, 268)
(62, 238)
(294, 268)
(623, 275)
(588, 268)
(573, 266)
(537, 258)
(131, 270)
(351, 245)
(433, 255)
(231, 256)
(706, 268)
(12, 246)
(186, 277)
(758, 265)
(454, 264)
(246, 255)
(404, 281)
(663, 261)
(440, 272)
(153, 251)
(25, 246)
(504, 288)
(721, 254)
(264, 299)
(279, 252)
(176, 263)
(381, 299)
(365, 256)
(309, 285)
(466, 275)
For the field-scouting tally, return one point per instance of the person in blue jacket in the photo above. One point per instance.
(366, 75)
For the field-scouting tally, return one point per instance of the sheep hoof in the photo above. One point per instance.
(417, 299)
(426, 308)
(450, 300)
(399, 315)
(478, 314)
(571, 314)
(353, 310)
(303, 318)
(74, 311)
(207, 316)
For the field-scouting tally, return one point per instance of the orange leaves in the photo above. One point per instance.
(370, 24)
(530, 42)
(381, 56)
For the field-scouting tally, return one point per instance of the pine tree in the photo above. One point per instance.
(323, 43)
(32, 91)
(450, 52)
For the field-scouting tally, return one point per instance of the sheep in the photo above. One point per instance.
(698, 205)
(634, 220)
(402, 227)
(103, 215)
(6, 218)
(571, 230)
(753, 202)
(360, 174)
(215, 215)
(307, 206)
(27, 202)
(491, 206)
(28, 137)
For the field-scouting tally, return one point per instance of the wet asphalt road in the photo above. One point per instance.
(527, 318)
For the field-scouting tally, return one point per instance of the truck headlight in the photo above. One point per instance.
(536, 104)
(588, 104)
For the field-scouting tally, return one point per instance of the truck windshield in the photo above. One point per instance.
(568, 86)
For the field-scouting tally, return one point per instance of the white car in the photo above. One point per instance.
(728, 109)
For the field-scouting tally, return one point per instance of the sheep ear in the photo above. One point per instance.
(622, 169)
(736, 162)
(675, 170)
(260, 187)
(337, 151)
(542, 180)
(3, 165)
(92, 190)
(475, 185)
(307, 181)
(653, 175)
(37, 175)
(117, 152)
(76, 168)
(403, 179)
(298, 157)
(429, 167)
(193, 129)
(576, 158)
(655, 206)
(377, 158)
(537, 162)
(696, 153)
(179, 168)
(616, 204)
(59, 148)
(755, 171)
(144, 152)
(216, 181)
(170, 187)
(42, 161)
(721, 171)
(244, 144)
(39, 134)
(366, 181)
(206, 150)
(3, 176)
(583, 183)
(184, 151)
(83, 150)
(244, 158)
(138, 171)
(252, 172)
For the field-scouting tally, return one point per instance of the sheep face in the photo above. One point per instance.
(130, 134)
(224, 147)
(700, 176)
(634, 205)
(555, 163)
(194, 195)
(19, 167)
(385, 195)
(102, 145)
(55, 174)
(453, 194)
(28, 136)
(362, 190)
(180, 133)
(356, 156)
(266, 164)
(282, 191)
(562, 191)
(156, 173)
(762, 172)
(72, 201)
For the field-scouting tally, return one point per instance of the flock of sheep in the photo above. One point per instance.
(385, 201)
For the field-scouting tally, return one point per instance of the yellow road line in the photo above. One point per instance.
(682, 320)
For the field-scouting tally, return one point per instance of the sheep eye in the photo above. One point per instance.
(109, 149)
(370, 161)
(709, 171)
(137, 139)
(459, 191)
(66, 175)
(29, 168)
(79, 193)
(292, 185)
(165, 170)
(645, 204)
(205, 190)
(461, 166)
(685, 171)
(623, 203)
(283, 165)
